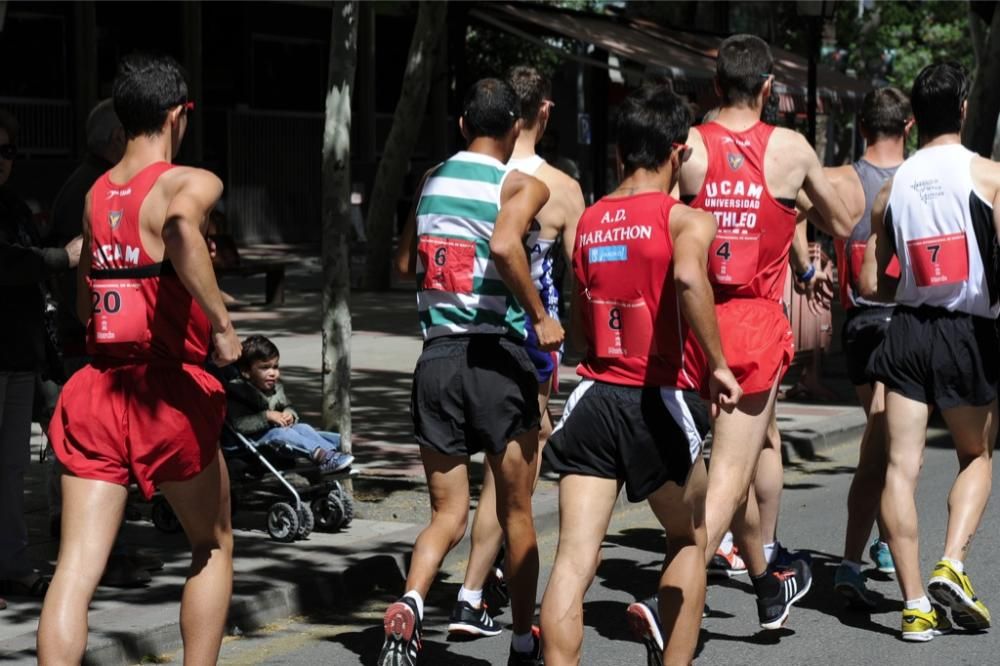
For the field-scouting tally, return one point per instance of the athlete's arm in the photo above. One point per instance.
(874, 283)
(184, 244)
(83, 304)
(692, 232)
(573, 207)
(521, 198)
(406, 253)
(833, 216)
(818, 289)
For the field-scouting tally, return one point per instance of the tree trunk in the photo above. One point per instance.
(406, 123)
(984, 99)
(337, 222)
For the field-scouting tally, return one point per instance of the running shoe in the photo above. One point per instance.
(783, 557)
(922, 627)
(793, 584)
(881, 557)
(402, 634)
(472, 621)
(533, 658)
(953, 590)
(851, 585)
(336, 462)
(644, 621)
(727, 565)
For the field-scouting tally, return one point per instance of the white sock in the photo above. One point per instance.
(923, 604)
(418, 600)
(770, 550)
(957, 565)
(522, 642)
(853, 566)
(727, 543)
(474, 597)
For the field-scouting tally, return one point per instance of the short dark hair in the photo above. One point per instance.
(650, 120)
(257, 348)
(937, 96)
(885, 112)
(146, 87)
(742, 67)
(490, 109)
(532, 88)
(9, 123)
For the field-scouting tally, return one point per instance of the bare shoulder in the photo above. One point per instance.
(986, 174)
(183, 177)
(790, 140)
(682, 216)
(517, 181)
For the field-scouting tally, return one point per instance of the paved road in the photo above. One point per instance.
(821, 631)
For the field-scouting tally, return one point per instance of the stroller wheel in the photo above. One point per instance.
(282, 522)
(348, 503)
(164, 518)
(329, 512)
(306, 521)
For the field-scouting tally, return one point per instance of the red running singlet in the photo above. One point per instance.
(749, 256)
(622, 261)
(140, 310)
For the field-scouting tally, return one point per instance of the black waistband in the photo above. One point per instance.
(138, 273)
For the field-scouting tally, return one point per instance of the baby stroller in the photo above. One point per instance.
(298, 496)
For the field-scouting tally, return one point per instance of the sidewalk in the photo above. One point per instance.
(274, 580)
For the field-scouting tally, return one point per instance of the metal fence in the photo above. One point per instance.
(273, 192)
(46, 125)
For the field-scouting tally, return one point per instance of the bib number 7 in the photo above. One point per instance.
(939, 260)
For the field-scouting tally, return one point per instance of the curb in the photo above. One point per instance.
(810, 444)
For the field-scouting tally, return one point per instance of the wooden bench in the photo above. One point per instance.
(227, 261)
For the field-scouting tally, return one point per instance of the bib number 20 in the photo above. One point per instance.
(110, 302)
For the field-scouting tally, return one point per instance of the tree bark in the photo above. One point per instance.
(337, 222)
(984, 99)
(406, 123)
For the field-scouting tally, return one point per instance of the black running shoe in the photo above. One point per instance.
(793, 584)
(402, 634)
(533, 658)
(472, 621)
(644, 621)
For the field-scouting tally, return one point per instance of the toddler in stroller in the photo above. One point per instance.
(259, 410)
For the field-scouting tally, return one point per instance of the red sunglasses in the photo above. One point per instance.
(685, 149)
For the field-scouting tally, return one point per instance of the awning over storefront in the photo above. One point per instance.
(687, 58)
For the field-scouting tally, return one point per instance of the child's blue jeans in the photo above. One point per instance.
(303, 438)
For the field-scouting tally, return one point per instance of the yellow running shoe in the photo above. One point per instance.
(953, 589)
(922, 627)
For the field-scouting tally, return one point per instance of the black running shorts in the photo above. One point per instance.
(861, 335)
(641, 436)
(473, 393)
(942, 358)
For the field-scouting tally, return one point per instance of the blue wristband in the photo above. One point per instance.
(808, 275)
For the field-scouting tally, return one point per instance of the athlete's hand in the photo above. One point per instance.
(724, 390)
(227, 346)
(73, 249)
(550, 333)
(819, 291)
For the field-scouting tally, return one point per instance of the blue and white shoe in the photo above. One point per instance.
(851, 585)
(881, 557)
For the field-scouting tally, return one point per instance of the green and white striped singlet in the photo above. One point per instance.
(459, 291)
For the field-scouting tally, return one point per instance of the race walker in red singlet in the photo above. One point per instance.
(748, 261)
(144, 408)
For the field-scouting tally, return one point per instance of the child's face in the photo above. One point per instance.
(264, 374)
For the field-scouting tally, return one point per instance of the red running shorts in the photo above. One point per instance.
(147, 422)
(757, 342)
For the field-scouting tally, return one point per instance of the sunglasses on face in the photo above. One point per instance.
(685, 151)
(8, 151)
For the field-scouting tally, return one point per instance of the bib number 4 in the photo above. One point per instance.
(939, 260)
(732, 258)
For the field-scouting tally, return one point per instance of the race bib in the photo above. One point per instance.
(622, 328)
(858, 258)
(939, 260)
(449, 263)
(118, 311)
(732, 259)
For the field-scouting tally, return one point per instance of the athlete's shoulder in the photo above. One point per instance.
(681, 213)
(788, 138)
(185, 176)
(986, 176)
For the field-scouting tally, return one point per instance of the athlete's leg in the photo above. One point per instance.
(585, 506)
(974, 430)
(91, 515)
(736, 445)
(906, 426)
(448, 483)
(514, 472)
(869, 477)
(768, 482)
(681, 511)
(202, 507)
(486, 533)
